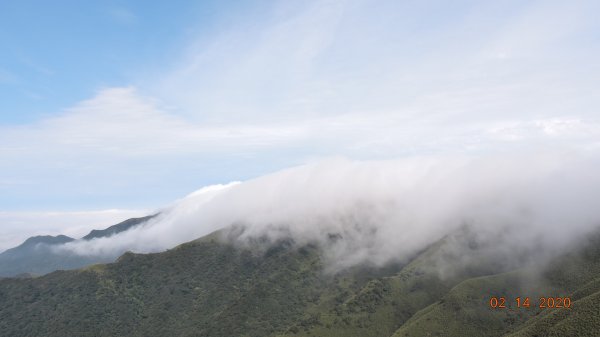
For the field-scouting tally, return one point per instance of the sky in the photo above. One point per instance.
(125, 106)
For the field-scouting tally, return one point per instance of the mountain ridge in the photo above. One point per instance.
(37, 255)
(46, 239)
(118, 228)
(213, 287)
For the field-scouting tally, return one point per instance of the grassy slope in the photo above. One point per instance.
(583, 320)
(383, 304)
(207, 288)
(203, 288)
(464, 311)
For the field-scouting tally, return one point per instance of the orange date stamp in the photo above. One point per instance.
(526, 303)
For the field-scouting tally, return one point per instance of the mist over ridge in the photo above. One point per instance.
(382, 211)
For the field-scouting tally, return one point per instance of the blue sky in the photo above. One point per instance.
(85, 46)
(132, 104)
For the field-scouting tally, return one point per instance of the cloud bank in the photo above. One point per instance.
(455, 86)
(381, 211)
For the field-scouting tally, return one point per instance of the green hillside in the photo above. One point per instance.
(464, 311)
(38, 255)
(211, 288)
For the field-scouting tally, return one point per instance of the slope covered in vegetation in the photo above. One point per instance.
(209, 287)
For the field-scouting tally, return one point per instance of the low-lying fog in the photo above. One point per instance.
(387, 210)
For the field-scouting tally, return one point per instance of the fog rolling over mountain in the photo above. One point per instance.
(523, 209)
(315, 168)
(209, 287)
(410, 247)
(517, 206)
(42, 254)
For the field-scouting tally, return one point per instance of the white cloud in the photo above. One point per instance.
(121, 141)
(120, 122)
(319, 79)
(387, 210)
(351, 57)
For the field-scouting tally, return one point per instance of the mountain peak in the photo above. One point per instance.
(118, 228)
(37, 256)
(47, 239)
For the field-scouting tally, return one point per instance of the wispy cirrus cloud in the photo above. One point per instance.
(123, 15)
